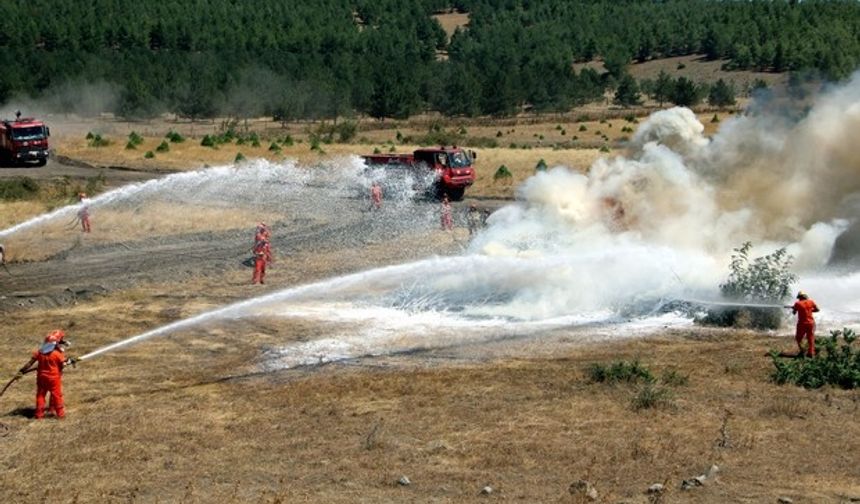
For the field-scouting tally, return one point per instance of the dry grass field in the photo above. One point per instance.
(189, 418)
(195, 416)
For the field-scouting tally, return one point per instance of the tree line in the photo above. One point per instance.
(391, 58)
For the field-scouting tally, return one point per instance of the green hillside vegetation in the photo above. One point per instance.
(329, 58)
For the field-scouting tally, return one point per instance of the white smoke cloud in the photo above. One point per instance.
(663, 219)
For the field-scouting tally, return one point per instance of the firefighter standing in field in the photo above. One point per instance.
(50, 359)
(262, 256)
(375, 196)
(474, 219)
(446, 219)
(804, 308)
(84, 213)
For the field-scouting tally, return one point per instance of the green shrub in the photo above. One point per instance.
(763, 280)
(630, 118)
(130, 145)
(287, 141)
(563, 132)
(255, 142)
(239, 157)
(90, 135)
(18, 188)
(541, 165)
(163, 147)
(274, 147)
(715, 119)
(651, 396)
(583, 127)
(838, 366)
(604, 148)
(208, 141)
(399, 136)
(376, 150)
(135, 139)
(620, 371)
(347, 130)
(149, 154)
(97, 140)
(174, 137)
(503, 173)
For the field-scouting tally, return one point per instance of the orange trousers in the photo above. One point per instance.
(805, 330)
(55, 387)
(259, 270)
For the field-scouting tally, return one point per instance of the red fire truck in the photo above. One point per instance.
(451, 167)
(23, 140)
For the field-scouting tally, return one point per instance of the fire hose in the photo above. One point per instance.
(70, 361)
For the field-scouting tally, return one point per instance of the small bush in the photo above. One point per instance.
(174, 137)
(208, 141)
(765, 279)
(715, 119)
(681, 66)
(620, 371)
(130, 145)
(255, 142)
(540, 166)
(512, 145)
(399, 136)
(287, 141)
(135, 139)
(18, 188)
(163, 147)
(498, 134)
(651, 396)
(604, 148)
(347, 130)
(503, 173)
(583, 127)
(315, 142)
(239, 158)
(274, 147)
(149, 154)
(97, 140)
(563, 132)
(839, 366)
(376, 150)
(630, 118)
(90, 135)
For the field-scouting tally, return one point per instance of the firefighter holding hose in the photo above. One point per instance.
(804, 308)
(49, 359)
(84, 213)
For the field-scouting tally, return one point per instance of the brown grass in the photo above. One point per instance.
(163, 421)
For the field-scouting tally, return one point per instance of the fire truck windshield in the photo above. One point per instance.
(28, 133)
(458, 159)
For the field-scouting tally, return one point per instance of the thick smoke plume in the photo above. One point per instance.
(662, 220)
